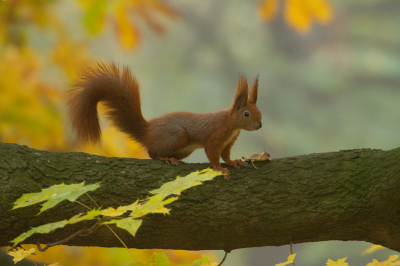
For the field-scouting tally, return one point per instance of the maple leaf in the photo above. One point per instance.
(391, 261)
(129, 224)
(183, 183)
(90, 215)
(372, 248)
(21, 254)
(290, 259)
(54, 195)
(43, 229)
(154, 205)
(120, 210)
(339, 262)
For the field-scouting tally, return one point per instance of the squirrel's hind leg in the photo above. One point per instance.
(174, 149)
(169, 160)
(176, 157)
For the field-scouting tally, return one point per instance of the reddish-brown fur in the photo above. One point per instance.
(170, 137)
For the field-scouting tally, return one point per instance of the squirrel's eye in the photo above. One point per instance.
(246, 114)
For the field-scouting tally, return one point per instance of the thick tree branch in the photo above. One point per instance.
(346, 195)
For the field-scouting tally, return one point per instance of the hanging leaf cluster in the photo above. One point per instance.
(125, 217)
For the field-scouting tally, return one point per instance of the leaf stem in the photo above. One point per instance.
(121, 241)
(33, 261)
(83, 205)
(92, 200)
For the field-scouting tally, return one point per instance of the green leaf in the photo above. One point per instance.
(111, 212)
(95, 15)
(138, 264)
(155, 204)
(204, 260)
(43, 229)
(54, 195)
(129, 224)
(160, 259)
(182, 183)
(90, 215)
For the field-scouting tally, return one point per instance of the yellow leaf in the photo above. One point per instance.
(296, 15)
(290, 259)
(321, 10)
(268, 9)
(127, 31)
(372, 248)
(299, 14)
(339, 262)
(21, 254)
(391, 261)
(111, 212)
(162, 209)
(54, 264)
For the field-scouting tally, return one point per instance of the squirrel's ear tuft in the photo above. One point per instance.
(241, 93)
(253, 92)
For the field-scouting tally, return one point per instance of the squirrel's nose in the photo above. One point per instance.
(260, 125)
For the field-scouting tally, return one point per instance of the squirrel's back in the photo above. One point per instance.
(119, 92)
(182, 132)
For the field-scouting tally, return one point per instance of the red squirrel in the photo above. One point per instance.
(170, 137)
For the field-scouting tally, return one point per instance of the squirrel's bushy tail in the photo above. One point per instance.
(119, 92)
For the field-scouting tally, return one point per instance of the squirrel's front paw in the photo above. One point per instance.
(236, 163)
(225, 172)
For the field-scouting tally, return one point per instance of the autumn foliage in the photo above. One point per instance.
(32, 105)
(299, 14)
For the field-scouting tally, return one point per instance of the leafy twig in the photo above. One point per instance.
(91, 229)
(59, 242)
(82, 232)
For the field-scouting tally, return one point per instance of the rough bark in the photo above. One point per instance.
(345, 195)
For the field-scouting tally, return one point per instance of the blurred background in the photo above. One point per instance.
(329, 80)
